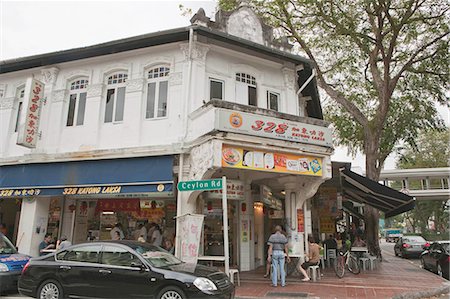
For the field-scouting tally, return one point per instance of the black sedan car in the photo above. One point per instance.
(437, 258)
(407, 246)
(120, 269)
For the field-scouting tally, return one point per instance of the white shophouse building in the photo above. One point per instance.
(122, 122)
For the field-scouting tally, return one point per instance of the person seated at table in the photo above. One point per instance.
(313, 258)
(46, 244)
(63, 243)
(359, 242)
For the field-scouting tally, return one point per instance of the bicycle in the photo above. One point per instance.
(346, 260)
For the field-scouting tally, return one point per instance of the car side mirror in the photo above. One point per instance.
(139, 266)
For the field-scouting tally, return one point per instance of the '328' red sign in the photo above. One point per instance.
(269, 127)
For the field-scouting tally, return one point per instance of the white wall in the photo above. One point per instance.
(135, 130)
(33, 216)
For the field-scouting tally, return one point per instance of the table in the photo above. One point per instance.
(46, 251)
(211, 259)
(359, 249)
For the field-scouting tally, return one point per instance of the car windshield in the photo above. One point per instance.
(157, 256)
(414, 239)
(6, 246)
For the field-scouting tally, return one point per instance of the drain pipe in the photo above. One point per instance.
(185, 125)
(307, 82)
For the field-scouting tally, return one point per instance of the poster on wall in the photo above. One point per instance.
(243, 158)
(300, 221)
(191, 228)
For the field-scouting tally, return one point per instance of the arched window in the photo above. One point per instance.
(19, 97)
(77, 102)
(115, 97)
(157, 90)
(246, 89)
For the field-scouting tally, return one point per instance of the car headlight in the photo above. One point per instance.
(3, 268)
(204, 284)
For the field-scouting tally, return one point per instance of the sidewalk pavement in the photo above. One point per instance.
(393, 278)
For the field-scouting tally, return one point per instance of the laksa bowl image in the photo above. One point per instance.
(231, 156)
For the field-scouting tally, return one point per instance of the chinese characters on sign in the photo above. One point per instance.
(235, 191)
(270, 127)
(30, 116)
(300, 221)
(19, 192)
(191, 228)
(236, 157)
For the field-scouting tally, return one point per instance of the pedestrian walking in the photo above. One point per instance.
(277, 253)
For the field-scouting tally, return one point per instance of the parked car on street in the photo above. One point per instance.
(120, 269)
(408, 246)
(11, 265)
(437, 258)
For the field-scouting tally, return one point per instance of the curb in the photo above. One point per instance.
(445, 289)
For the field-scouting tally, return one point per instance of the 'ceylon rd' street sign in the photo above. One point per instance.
(215, 184)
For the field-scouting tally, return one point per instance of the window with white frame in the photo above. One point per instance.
(77, 102)
(246, 89)
(19, 97)
(273, 100)
(157, 92)
(216, 89)
(115, 97)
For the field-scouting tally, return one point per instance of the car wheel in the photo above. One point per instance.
(439, 270)
(171, 293)
(50, 289)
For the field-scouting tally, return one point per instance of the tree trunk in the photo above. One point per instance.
(372, 215)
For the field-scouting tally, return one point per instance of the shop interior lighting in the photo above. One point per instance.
(107, 213)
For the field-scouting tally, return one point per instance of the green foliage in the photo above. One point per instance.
(431, 149)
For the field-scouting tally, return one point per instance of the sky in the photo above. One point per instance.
(36, 27)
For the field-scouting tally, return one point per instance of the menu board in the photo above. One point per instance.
(243, 158)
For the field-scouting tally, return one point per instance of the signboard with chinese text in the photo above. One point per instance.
(28, 129)
(270, 127)
(235, 191)
(191, 228)
(300, 221)
(236, 157)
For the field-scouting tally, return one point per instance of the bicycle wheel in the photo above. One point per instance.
(339, 266)
(353, 265)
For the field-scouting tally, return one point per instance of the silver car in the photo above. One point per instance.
(407, 246)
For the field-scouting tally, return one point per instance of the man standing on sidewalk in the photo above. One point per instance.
(278, 247)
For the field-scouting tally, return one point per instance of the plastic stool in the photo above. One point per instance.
(365, 262)
(372, 262)
(315, 272)
(232, 272)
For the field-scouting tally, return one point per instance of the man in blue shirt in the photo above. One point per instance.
(278, 247)
(45, 245)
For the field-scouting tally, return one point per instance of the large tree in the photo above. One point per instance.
(385, 63)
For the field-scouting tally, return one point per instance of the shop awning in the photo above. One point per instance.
(364, 190)
(92, 177)
(348, 207)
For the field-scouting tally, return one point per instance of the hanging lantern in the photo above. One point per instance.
(243, 207)
(209, 205)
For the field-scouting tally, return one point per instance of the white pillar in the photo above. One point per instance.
(32, 225)
(246, 223)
